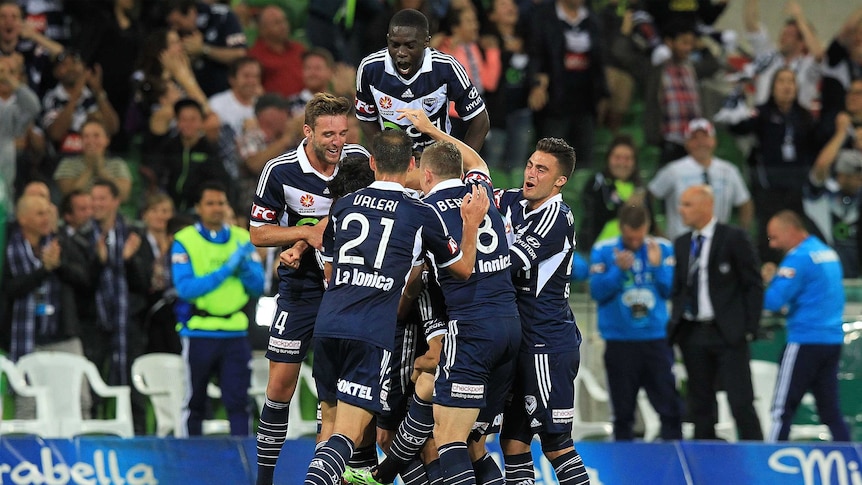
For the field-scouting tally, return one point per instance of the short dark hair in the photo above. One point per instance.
(677, 27)
(560, 150)
(188, 103)
(66, 202)
(100, 182)
(239, 63)
(181, 6)
(392, 151)
(633, 215)
(325, 104)
(214, 185)
(270, 100)
(321, 52)
(410, 18)
(443, 159)
(354, 173)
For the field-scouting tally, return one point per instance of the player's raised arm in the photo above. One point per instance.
(472, 160)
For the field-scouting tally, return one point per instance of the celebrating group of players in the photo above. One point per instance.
(484, 278)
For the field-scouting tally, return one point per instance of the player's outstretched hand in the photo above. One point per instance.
(474, 206)
(418, 118)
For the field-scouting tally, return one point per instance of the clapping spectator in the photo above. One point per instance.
(211, 36)
(19, 37)
(81, 171)
(18, 108)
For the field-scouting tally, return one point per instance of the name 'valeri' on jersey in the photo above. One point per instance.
(381, 91)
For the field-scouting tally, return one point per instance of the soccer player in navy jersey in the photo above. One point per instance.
(373, 241)
(409, 74)
(543, 395)
(291, 197)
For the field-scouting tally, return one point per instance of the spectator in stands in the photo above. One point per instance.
(321, 74)
(617, 184)
(480, 57)
(235, 109)
(40, 274)
(76, 210)
(78, 96)
(808, 287)
(215, 270)
(786, 146)
(280, 57)
(511, 134)
(843, 64)
(159, 321)
(37, 50)
(568, 73)
(631, 279)
(187, 158)
(630, 36)
(211, 36)
(701, 167)
(832, 203)
(798, 50)
(116, 338)
(111, 36)
(51, 19)
(80, 171)
(19, 106)
(700, 13)
(837, 130)
(672, 96)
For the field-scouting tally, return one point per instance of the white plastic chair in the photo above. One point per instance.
(62, 374)
(41, 425)
(582, 429)
(162, 377)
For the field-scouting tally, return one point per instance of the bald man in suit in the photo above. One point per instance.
(717, 299)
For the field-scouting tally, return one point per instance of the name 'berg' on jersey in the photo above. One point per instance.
(491, 281)
(373, 239)
(542, 251)
(381, 91)
(291, 192)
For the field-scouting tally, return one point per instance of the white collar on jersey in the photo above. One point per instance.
(556, 198)
(305, 163)
(426, 66)
(384, 185)
(446, 184)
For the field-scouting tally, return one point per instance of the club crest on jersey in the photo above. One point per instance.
(307, 200)
(530, 404)
(385, 102)
(452, 245)
(430, 104)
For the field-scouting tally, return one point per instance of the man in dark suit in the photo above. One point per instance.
(717, 299)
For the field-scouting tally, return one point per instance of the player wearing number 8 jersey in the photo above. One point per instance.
(290, 199)
(408, 74)
(372, 242)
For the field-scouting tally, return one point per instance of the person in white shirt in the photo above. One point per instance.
(700, 167)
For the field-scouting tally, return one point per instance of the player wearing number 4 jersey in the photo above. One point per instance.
(291, 197)
(408, 74)
(372, 242)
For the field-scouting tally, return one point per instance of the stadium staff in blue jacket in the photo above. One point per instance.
(631, 279)
(807, 284)
(215, 271)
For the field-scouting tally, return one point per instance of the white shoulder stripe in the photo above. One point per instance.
(548, 219)
(289, 157)
(459, 70)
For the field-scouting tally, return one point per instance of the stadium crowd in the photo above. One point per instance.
(124, 122)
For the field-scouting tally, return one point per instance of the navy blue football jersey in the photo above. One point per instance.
(374, 237)
(542, 251)
(490, 286)
(380, 91)
(291, 192)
